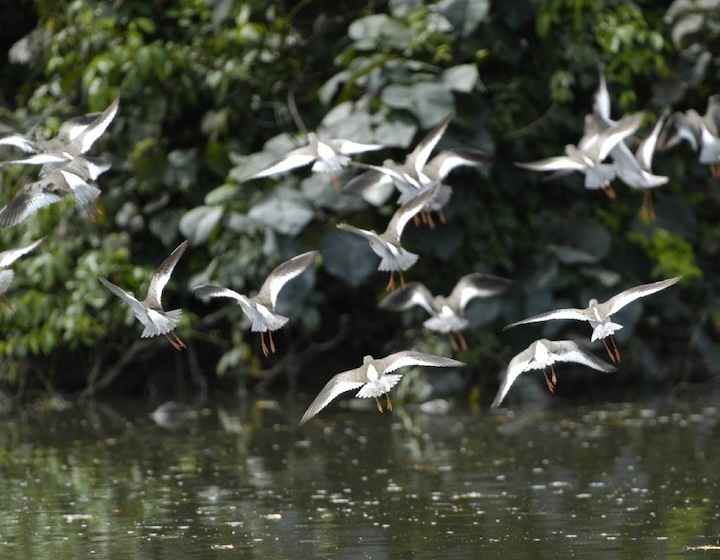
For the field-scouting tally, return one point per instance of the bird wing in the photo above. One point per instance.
(298, 157)
(6, 278)
(569, 313)
(339, 384)
(612, 135)
(161, 276)
(10, 256)
(367, 180)
(348, 147)
(31, 198)
(447, 160)
(412, 358)
(414, 293)
(406, 212)
(127, 297)
(39, 159)
(646, 149)
(557, 163)
(420, 155)
(212, 291)
(19, 141)
(82, 132)
(282, 274)
(620, 300)
(601, 101)
(569, 351)
(367, 234)
(519, 364)
(478, 285)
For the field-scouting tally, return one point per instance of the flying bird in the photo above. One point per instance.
(75, 137)
(327, 156)
(387, 244)
(149, 311)
(447, 312)
(374, 378)
(419, 172)
(542, 354)
(7, 258)
(260, 309)
(598, 314)
(56, 183)
(594, 147)
(636, 170)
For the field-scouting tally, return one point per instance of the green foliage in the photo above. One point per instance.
(205, 101)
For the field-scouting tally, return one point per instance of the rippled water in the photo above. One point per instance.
(243, 480)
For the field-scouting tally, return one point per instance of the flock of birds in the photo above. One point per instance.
(67, 170)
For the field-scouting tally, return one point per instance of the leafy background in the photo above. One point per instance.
(206, 90)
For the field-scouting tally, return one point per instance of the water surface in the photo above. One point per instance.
(242, 480)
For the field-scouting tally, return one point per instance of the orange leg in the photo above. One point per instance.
(389, 402)
(615, 348)
(378, 404)
(549, 384)
(715, 170)
(609, 192)
(429, 220)
(263, 345)
(453, 344)
(610, 353)
(416, 220)
(391, 283)
(441, 215)
(461, 338)
(402, 279)
(272, 343)
(175, 340)
(647, 210)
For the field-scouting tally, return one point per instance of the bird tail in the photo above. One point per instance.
(269, 322)
(401, 261)
(604, 330)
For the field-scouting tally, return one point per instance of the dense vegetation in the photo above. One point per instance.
(207, 93)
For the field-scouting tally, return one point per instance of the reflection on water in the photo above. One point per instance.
(242, 480)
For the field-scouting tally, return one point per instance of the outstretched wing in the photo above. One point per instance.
(620, 300)
(30, 199)
(282, 274)
(127, 297)
(569, 313)
(406, 212)
(339, 384)
(161, 276)
(569, 351)
(412, 358)
(414, 293)
(478, 285)
(11, 255)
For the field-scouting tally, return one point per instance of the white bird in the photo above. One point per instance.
(149, 311)
(702, 132)
(75, 137)
(594, 147)
(636, 170)
(447, 312)
(598, 314)
(260, 309)
(542, 354)
(417, 174)
(374, 378)
(387, 244)
(56, 183)
(633, 170)
(327, 156)
(7, 258)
